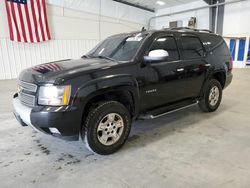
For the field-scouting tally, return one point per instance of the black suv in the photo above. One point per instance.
(139, 75)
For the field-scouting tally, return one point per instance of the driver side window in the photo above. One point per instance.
(168, 44)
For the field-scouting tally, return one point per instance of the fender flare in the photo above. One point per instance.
(106, 84)
(208, 77)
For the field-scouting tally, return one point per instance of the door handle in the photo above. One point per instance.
(180, 70)
(207, 65)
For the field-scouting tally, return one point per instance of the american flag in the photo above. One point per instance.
(27, 20)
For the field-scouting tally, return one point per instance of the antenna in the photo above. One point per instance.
(143, 29)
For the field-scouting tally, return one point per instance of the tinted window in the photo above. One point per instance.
(120, 47)
(168, 44)
(216, 44)
(212, 41)
(192, 47)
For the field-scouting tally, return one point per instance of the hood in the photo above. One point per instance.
(50, 72)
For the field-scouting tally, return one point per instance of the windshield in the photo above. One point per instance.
(119, 48)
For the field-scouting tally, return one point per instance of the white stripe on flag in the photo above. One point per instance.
(18, 22)
(37, 20)
(25, 23)
(32, 22)
(43, 21)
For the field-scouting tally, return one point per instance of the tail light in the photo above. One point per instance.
(230, 68)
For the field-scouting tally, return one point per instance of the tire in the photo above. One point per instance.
(211, 103)
(102, 135)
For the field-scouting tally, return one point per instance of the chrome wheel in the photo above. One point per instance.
(214, 96)
(110, 129)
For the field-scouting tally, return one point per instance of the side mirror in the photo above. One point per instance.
(156, 56)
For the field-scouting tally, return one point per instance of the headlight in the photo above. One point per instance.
(54, 95)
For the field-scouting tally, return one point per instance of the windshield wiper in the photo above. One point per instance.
(99, 56)
(86, 56)
(105, 57)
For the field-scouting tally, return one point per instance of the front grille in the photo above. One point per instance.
(27, 92)
(27, 99)
(27, 86)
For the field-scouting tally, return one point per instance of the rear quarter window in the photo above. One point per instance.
(212, 41)
(215, 44)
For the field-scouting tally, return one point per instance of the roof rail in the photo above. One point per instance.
(188, 28)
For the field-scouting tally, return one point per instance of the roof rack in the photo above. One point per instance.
(188, 28)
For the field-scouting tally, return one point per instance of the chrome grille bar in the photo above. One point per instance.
(26, 99)
(27, 86)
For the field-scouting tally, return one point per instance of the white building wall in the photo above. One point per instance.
(74, 32)
(236, 19)
(109, 8)
(202, 15)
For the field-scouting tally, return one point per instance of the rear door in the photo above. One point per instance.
(193, 64)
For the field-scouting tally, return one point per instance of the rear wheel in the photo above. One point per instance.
(107, 127)
(212, 96)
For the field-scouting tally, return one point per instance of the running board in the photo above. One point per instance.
(153, 116)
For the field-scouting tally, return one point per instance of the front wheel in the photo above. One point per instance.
(212, 96)
(107, 127)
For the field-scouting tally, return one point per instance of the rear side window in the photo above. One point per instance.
(212, 41)
(168, 44)
(192, 47)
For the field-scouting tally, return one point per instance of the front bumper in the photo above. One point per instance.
(22, 113)
(62, 122)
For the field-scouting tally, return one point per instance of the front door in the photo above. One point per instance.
(161, 82)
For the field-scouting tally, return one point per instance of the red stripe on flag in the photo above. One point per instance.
(46, 19)
(9, 20)
(40, 19)
(34, 20)
(15, 20)
(21, 21)
(28, 23)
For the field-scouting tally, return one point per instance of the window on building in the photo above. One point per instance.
(232, 46)
(248, 53)
(241, 52)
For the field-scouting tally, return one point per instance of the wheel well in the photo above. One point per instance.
(221, 77)
(124, 97)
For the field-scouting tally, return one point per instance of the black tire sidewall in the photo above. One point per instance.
(93, 121)
(210, 85)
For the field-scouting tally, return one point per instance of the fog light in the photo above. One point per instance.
(54, 130)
